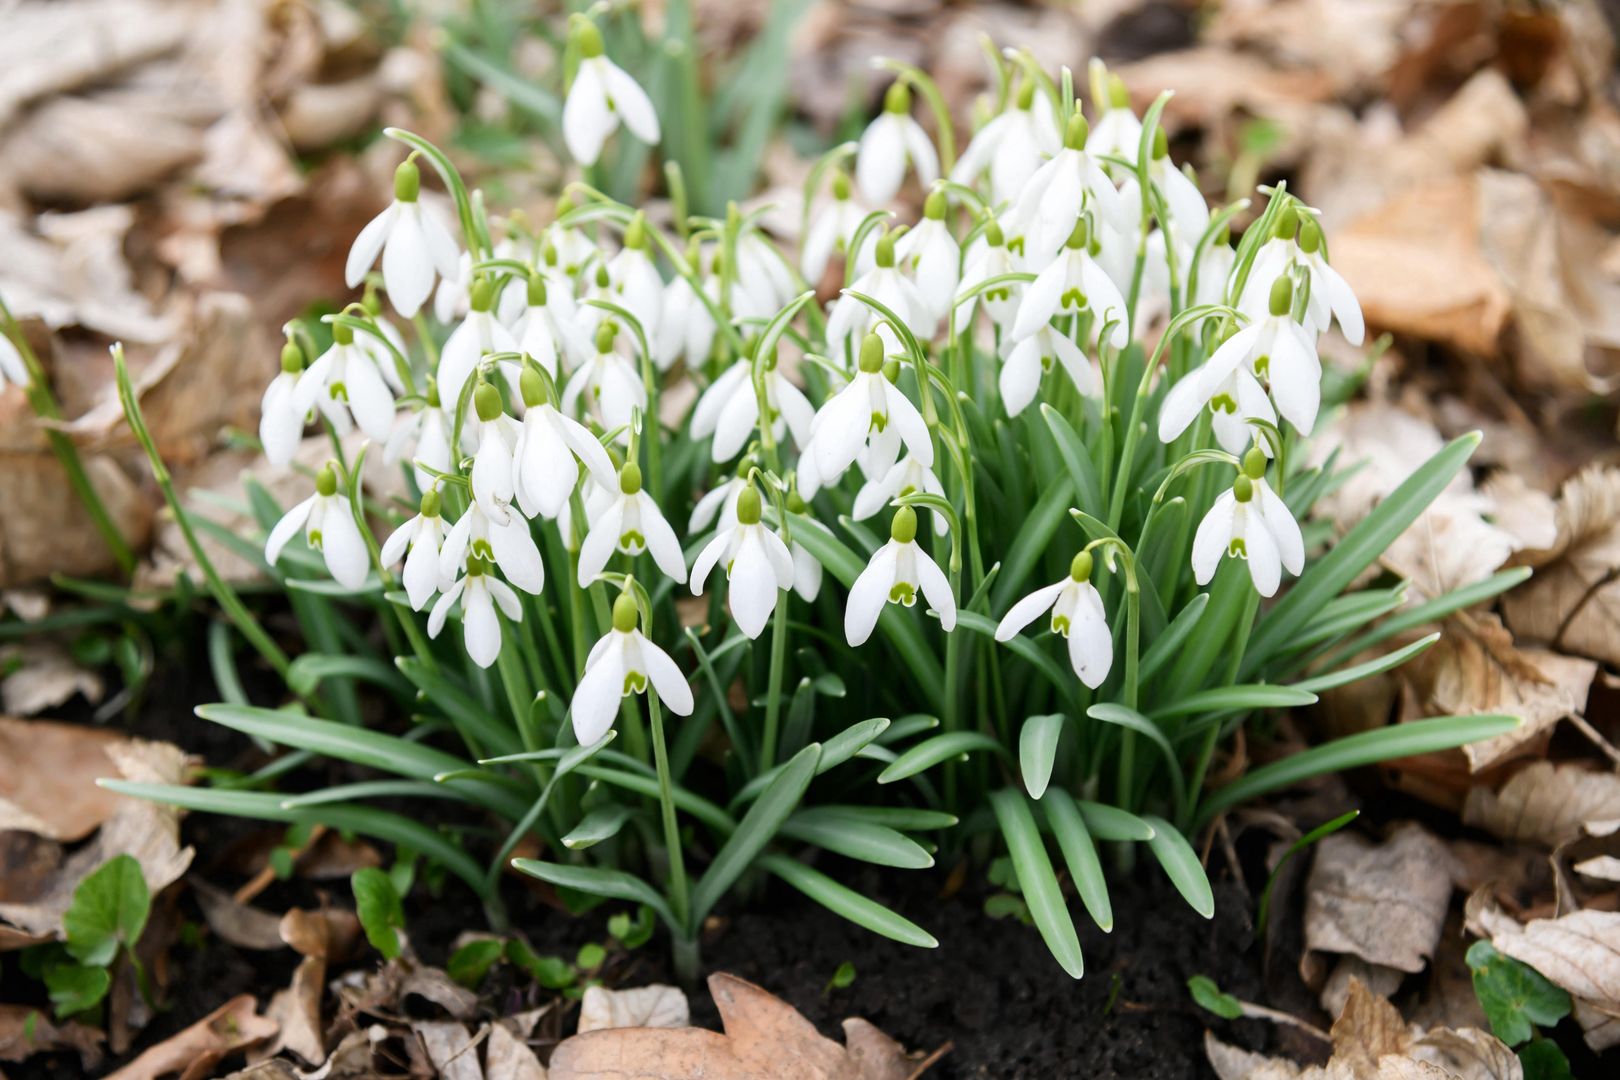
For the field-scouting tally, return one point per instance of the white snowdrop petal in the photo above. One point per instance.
(666, 677)
(291, 523)
(1028, 610)
(1214, 532)
(596, 699)
(367, 246)
(869, 593)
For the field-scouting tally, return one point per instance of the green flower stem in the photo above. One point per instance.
(679, 897)
(45, 407)
(773, 690)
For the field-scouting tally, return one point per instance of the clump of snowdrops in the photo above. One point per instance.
(695, 571)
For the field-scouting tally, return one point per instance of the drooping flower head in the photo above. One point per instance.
(889, 144)
(1252, 523)
(624, 662)
(758, 565)
(898, 572)
(1077, 616)
(602, 95)
(281, 423)
(414, 244)
(329, 527)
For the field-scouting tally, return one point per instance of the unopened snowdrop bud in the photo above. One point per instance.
(281, 412)
(890, 142)
(493, 486)
(1252, 523)
(931, 255)
(329, 527)
(424, 536)
(601, 95)
(414, 244)
(1282, 297)
(1077, 616)
(758, 565)
(487, 401)
(899, 570)
(624, 662)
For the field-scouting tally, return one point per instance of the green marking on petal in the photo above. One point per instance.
(903, 594)
(1237, 548)
(1060, 625)
(632, 542)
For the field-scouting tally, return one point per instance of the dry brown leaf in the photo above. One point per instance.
(296, 1011)
(509, 1058)
(44, 676)
(48, 774)
(1573, 602)
(1545, 803)
(1579, 952)
(194, 1052)
(25, 1031)
(1385, 903)
(643, 1007)
(240, 924)
(765, 1038)
(452, 1051)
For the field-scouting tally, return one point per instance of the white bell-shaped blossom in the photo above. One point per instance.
(729, 410)
(329, 527)
(1330, 295)
(630, 523)
(414, 244)
(346, 379)
(1118, 130)
(686, 327)
(889, 144)
(480, 593)
(453, 293)
(566, 251)
(869, 407)
(422, 436)
(930, 254)
(550, 449)
(423, 535)
(601, 95)
(831, 231)
(13, 372)
(851, 319)
(546, 329)
(1077, 616)
(903, 477)
(1012, 146)
(763, 267)
(1274, 348)
(497, 435)
(624, 662)
(1189, 213)
(1074, 284)
(608, 385)
(1250, 522)
(478, 334)
(1054, 198)
(807, 571)
(637, 285)
(1026, 361)
(758, 566)
(898, 571)
(988, 257)
(719, 504)
(281, 420)
(509, 545)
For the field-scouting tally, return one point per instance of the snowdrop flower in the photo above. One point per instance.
(637, 286)
(758, 565)
(1189, 213)
(497, 436)
(281, 421)
(806, 570)
(549, 451)
(346, 379)
(13, 371)
(930, 254)
(1214, 269)
(609, 383)
(1074, 284)
(1252, 523)
(831, 231)
(480, 592)
(546, 329)
(889, 143)
(720, 503)
(414, 244)
(567, 250)
(424, 535)
(1118, 132)
(622, 663)
(897, 572)
(1330, 295)
(686, 328)
(1077, 615)
(601, 95)
(1053, 199)
(329, 528)
(450, 299)
(988, 257)
(850, 318)
(1026, 361)
(904, 477)
(479, 333)
(425, 436)
(871, 406)
(1012, 146)
(1274, 348)
(729, 409)
(508, 545)
(631, 523)
(762, 266)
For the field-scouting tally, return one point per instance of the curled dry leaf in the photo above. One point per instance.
(1573, 601)
(240, 924)
(1385, 903)
(1545, 803)
(765, 1038)
(643, 1007)
(48, 774)
(44, 676)
(194, 1052)
(1579, 952)
(509, 1058)
(26, 1030)
(450, 1049)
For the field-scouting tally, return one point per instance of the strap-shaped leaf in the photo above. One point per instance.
(601, 823)
(1377, 665)
(1037, 750)
(1036, 879)
(1074, 840)
(1111, 823)
(895, 817)
(848, 903)
(1181, 863)
(857, 838)
(853, 741)
(1132, 720)
(1244, 697)
(1166, 644)
(600, 881)
(927, 754)
(1038, 658)
(309, 670)
(492, 735)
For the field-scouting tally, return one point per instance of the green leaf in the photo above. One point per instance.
(847, 903)
(309, 670)
(381, 912)
(602, 823)
(590, 956)
(1379, 664)
(1543, 1060)
(1167, 643)
(469, 964)
(1033, 540)
(1111, 823)
(1181, 863)
(1038, 658)
(755, 830)
(74, 989)
(856, 838)
(1354, 751)
(1074, 840)
(834, 752)
(1515, 996)
(927, 754)
(907, 818)
(1327, 828)
(551, 972)
(1132, 720)
(1037, 750)
(109, 910)
(1241, 698)
(1036, 879)
(1211, 997)
(843, 977)
(599, 881)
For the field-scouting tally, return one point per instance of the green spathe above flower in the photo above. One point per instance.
(898, 571)
(624, 662)
(601, 95)
(1077, 616)
(1252, 523)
